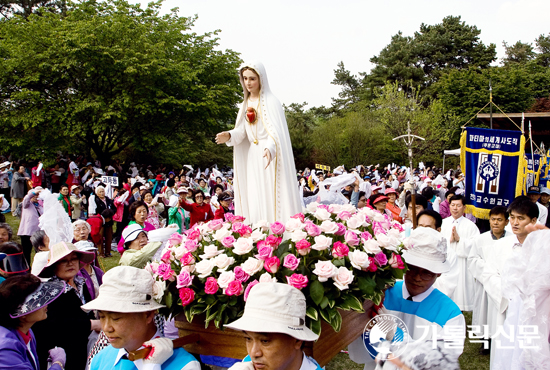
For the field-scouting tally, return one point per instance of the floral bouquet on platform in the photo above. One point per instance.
(337, 255)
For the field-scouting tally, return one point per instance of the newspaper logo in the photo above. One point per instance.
(386, 335)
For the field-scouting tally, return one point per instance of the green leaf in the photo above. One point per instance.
(339, 262)
(316, 291)
(325, 314)
(312, 313)
(324, 302)
(366, 285)
(398, 273)
(209, 317)
(315, 326)
(336, 321)
(353, 303)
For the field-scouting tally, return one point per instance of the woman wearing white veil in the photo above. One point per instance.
(265, 183)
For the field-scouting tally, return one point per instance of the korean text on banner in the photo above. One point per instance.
(494, 166)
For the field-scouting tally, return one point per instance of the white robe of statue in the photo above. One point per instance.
(481, 246)
(463, 295)
(270, 194)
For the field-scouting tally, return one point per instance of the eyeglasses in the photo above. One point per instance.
(424, 274)
(199, 196)
(68, 261)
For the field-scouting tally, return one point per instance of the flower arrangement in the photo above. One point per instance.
(337, 255)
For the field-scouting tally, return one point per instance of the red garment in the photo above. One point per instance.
(38, 178)
(220, 212)
(96, 222)
(202, 213)
(395, 212)
(26, 337)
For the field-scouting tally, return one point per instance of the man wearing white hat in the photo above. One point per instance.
(424, 310)
(275, 327)
(126, 311)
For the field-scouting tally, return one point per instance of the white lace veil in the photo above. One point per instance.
(55, 221)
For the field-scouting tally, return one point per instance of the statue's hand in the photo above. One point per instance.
(223, 137)
(267, 155)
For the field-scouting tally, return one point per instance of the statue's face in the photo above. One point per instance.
(251, 81)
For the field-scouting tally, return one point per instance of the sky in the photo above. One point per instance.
(300, 42)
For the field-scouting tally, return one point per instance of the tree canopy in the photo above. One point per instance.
(110, 75)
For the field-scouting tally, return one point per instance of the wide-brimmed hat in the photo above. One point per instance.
(45, 294)
(74, 187)
(380, 199)
(376, 187)
(427, 250)
(14, 263)
(182, 189)
(159, 177)
(4, 164)
(131, 232)
(59, 251)
(391, 191)
(125, 289)
(275, 308)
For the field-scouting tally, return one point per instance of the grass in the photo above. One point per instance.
(471, 359)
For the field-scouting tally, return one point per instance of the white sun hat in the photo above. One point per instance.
(275, 308)
(427, 250)
(125, 289)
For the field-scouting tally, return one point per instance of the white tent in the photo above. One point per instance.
(455, 152)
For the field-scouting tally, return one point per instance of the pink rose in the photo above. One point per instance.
(372, 265)
(260, 244)
(273, 241)
(291, 262)
(187, 259)
(244, 230)
(312, 229)
(211, 286)
(377, 228)
(165, 272)
(234, 288)
(396, 262)
(397, 226)
(381, 259)
(184, 279)
(193, 234)
(166, 256)
(187, 295)
(299, 216)
(324, 270)
(351, 238)
(175, 239)
(365, 235)
(229, 217)
(343, 278)
(240, 274)
(340, 250)
(247, 290)
(272, 264)
(264, 252)
(341, 229)
(191, 245)
(215, 224)
(236, 226)
(303, 247)
(277, 228)
(298, 281)
(228, 241)
(344, 215)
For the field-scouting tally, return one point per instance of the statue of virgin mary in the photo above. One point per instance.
(265, 183)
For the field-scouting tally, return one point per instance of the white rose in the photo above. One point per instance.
(204, 268)
(388, 242)
(321, 243)
(322, 214)
(312, 207)
(257, 235)
(225, 278)
(210, 251)
(349, 208)
(243, 246)
(356, 221)
(378, 217)
(359, 260)
(179, 251)
(223, 261)
(158, 290)
(343, 278)
(324, 270)
(252, 265)
(329, 227)
(266, 278)
(221, 233)
(372, 246)
(189, 268)
(298, 235)
(394, 233)
(335, 208)
(294, 224)
(261, 225)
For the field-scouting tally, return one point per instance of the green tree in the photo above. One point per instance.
(518, 53)
(301, 124)
(25, 8)
(543, 47)
(111, 75)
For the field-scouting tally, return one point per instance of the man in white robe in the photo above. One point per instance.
(498, 219)
(421, 307)
(459, 232)
(523, 213)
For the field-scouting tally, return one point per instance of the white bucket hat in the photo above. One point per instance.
(275, 308)
(85, 246)
(131, 232)
(427, 250)
(125, 289)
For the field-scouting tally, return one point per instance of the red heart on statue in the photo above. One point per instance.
(251, 115)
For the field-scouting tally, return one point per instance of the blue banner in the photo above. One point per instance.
(494, 166)
(533, 173)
